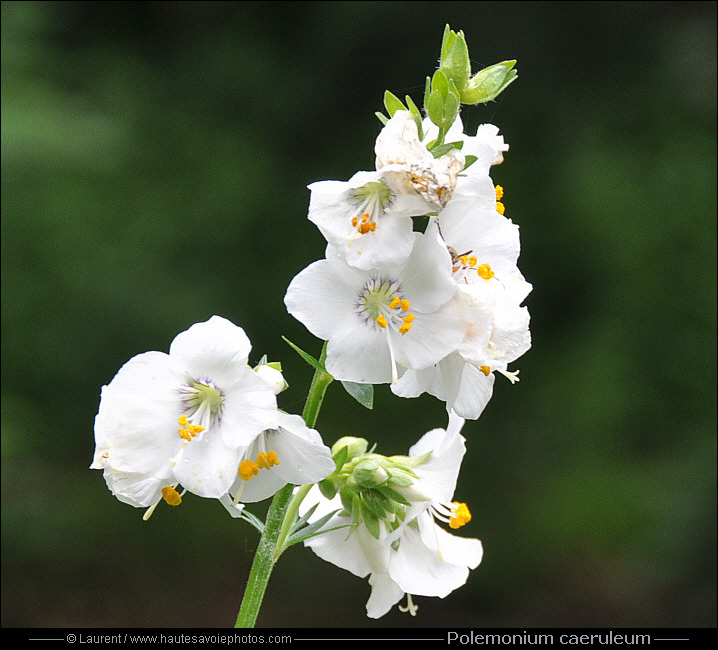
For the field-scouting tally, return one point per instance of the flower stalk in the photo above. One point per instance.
(280, 515)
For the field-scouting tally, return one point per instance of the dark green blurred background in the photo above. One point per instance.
(155, 158)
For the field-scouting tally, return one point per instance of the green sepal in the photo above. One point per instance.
(393, 103)
(400, 478)
(328, 488)
(439, 150)
(371, 503)
(382, 118)
(371, 521)
(468, 161)
(340, 457)
(305, 355)
(417, 115)
(362, 393)
(392, 494)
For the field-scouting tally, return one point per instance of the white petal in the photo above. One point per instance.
(425, 571)
(385, 593)
(136, 425)
(426, 275)
(215, 349)
(438, 475)
(431, 338)
(323, 296)
(207, 467)
(136, 489)
(249, 406)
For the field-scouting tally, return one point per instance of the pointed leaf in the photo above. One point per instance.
(305, 355)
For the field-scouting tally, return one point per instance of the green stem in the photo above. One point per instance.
(280, 515)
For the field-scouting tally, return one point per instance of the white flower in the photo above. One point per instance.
(410, 168)
(418, 556)
(290, 453)
(186, 417)
(366, 222)
(496, 332)
(394, 315)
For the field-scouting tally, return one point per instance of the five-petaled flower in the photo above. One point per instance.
(184, 418)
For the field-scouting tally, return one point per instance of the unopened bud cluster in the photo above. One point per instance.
(373, 488)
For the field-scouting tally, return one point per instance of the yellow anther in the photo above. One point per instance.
(171, 496)
(409, 318)
(265, 461)
(484, 270)
(365, 217)
(473, 261)
(372, 226)
(247, 469)
(499, 192)
(405, 305)
(500, 207)
(355, 221)
(460, 515)
(381, 321)
(404, 328)
(395, 303)
(486, 370)
(188, 431)
(464, 259)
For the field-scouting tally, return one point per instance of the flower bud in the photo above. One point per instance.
(454, 62)
(272, 374)
(441, 100)
(488, 83)
(355, 446)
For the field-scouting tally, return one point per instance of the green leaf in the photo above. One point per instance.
(312, 530)
(362, 393)
(255, 521)
(305, 355)
(301, 521)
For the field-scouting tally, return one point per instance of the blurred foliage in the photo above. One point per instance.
(155, 158)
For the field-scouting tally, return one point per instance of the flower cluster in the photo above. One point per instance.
(437, 311)
(419, 289)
